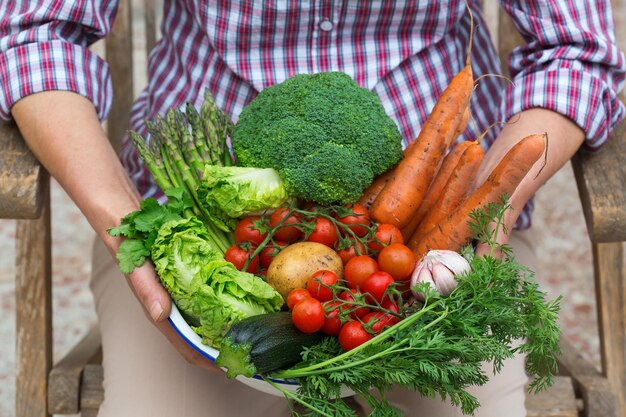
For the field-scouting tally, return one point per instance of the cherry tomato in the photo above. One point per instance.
(250, 230)
(398, 260)
(352, 334)
(287, 232)
(324, 233)
(351, 251)
(358, 221)
(332, 322)
(239, 256)
(385, 234)
(269, 252)
(319, 283)
(296, 295)
(358, 269)
(308, 315)
(376, 285)
(387, 304)
(378, 321)
(349, 297)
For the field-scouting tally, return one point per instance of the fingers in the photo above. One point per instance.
(149, 291)
(157, 304)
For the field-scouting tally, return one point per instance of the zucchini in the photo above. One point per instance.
(263, 343)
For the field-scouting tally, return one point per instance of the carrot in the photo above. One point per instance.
(454, 232)
(459, 185)
(402, 195)
(371, 192)
(447, 166)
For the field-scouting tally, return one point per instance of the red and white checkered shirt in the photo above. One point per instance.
(405, 51)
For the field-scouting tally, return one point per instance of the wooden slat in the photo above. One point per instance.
(92, 393)
(65, 377)
(508, 38)
(23, 182)
(601, 177)
(593, 387)
(33, 313)
(150, 24)
(557, 401)
(610, 297)
(119, 55)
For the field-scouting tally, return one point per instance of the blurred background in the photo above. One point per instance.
(562, 246)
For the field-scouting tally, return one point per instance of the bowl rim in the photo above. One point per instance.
(178, 322)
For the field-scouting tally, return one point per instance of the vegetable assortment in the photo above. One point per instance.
(366, 249)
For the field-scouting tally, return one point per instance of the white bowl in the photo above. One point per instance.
(256, 382)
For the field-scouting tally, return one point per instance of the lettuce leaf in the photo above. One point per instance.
(228, 193)
(210, 292)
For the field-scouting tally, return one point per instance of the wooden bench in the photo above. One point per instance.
(74, 384)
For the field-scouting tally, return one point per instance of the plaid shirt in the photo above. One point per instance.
(405, 51)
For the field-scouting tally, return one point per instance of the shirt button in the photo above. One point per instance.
(326, 25)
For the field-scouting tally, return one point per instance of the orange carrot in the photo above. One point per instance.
(371, 192)
(402, 195)
(454, 232)
(457, 188)
(447, 166)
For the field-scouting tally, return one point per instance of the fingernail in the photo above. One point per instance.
(156, 311)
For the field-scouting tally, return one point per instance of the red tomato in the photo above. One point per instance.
(295, 295)
(250, 230)
(385, 234)
(332, 322)
(350, 252)
(348, 296)
(308, 315)
(239, 256)
(324, 233)
(358, 269)
(269, 252)
(376, 285)
(319, 283)
(377, 320)
(287, 231)
(398, 260)
(352, 334)
(390, 305)
(358, 221)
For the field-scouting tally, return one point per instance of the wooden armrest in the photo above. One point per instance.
(589, 383)
(66, 377)
(601, 177)
(23, 181)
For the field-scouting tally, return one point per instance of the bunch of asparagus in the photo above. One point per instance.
(179, 146)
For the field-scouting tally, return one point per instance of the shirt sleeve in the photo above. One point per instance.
(570, 64)
(44, 46)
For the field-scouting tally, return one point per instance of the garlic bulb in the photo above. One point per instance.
(439, 268)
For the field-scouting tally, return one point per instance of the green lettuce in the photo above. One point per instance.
(228, 193)
(210, 292)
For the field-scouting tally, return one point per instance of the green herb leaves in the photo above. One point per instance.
(142, 226)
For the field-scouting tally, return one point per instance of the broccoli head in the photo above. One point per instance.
(326, 136)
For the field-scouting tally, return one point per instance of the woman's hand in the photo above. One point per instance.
(63, 131)
(564, 139)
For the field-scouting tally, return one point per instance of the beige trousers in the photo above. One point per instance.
(145, 377)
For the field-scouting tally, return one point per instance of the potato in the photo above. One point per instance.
(294, 265)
